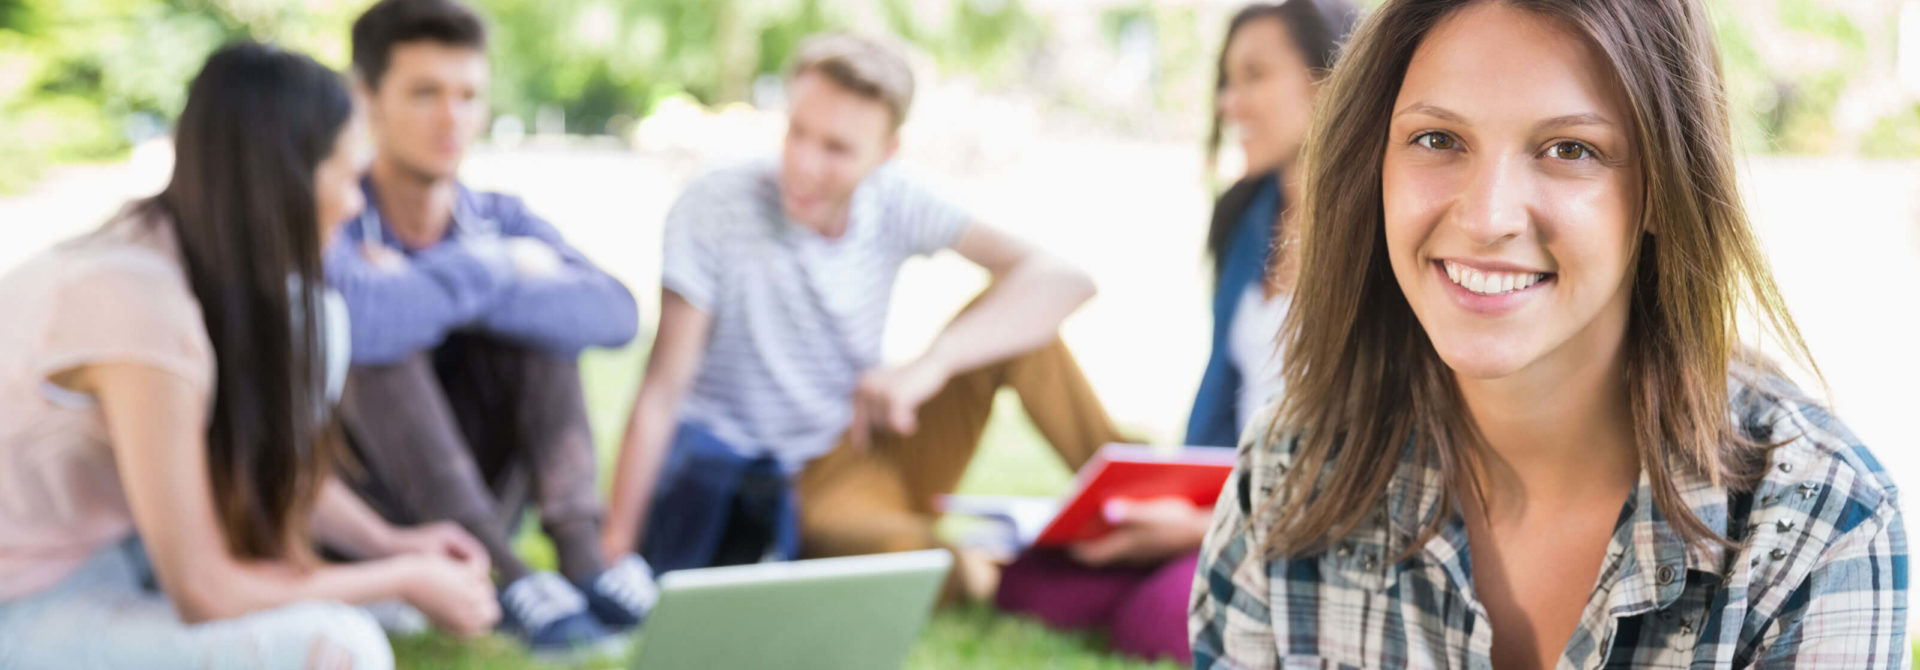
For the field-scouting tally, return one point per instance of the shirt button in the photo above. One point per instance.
(1666, 574)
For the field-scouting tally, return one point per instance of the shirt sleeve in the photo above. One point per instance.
(580, 306)
(1852, 610)
(1229, 617)
(127, 314)
(689, 262)
(401, 308)
(925, 222)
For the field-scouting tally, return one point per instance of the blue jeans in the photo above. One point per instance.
(103, 617)
(716, 507)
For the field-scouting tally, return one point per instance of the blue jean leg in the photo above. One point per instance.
(101, 618)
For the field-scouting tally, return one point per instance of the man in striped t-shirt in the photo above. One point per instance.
(776, 278)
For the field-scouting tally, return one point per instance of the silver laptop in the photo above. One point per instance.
(859, 613)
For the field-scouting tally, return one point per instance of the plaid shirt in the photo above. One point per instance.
(1819, 578)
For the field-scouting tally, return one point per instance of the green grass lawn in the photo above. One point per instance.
(967, 638)
(1014, 460)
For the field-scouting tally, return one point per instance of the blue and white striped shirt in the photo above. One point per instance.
(797, 317)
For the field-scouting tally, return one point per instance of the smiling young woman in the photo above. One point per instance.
(1521, 428)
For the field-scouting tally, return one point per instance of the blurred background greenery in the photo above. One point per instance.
(84, 80)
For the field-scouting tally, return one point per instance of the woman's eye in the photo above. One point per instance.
(1437, 141)
(1570, 151)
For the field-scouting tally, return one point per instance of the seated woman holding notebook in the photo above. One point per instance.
(1136, 579)
(1120, 552)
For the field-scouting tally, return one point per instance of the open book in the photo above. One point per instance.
(1001, 525)
(1117, 472)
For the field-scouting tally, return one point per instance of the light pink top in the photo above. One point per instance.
(117, 295)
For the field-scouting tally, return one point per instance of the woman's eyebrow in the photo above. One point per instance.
(1571, 120)
(1565, 121)
(1432, 110)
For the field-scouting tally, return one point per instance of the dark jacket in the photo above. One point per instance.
(1241, 254)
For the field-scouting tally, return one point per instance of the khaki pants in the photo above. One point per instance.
(882, 500)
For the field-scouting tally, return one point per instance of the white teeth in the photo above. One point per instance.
(1490, 283)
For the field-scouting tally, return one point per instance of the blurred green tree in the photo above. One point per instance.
(80, 80)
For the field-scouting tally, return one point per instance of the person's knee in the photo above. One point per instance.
(533, 365)
(372, 395)
(335, 636)
(546, 390)
(547, 363)
(1022, 584)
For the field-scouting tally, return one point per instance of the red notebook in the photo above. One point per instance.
(1133, 472)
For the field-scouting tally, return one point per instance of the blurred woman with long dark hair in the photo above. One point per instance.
(1134, 581)
(1269, 74)
(164, 442)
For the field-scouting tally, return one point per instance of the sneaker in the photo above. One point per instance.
(622, 595)
(549, 615)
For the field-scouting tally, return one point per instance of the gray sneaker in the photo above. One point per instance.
(623, 594)
(550, 615)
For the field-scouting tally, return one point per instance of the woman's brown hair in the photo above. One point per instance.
(1364, 384)
(258, 121)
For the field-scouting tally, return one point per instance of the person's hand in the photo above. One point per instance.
(889, 399)
(1145, 532)
(532, 258)
(454, 597)
(442, 538)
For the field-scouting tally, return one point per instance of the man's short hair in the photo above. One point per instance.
(862, 65)
(391, 22)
